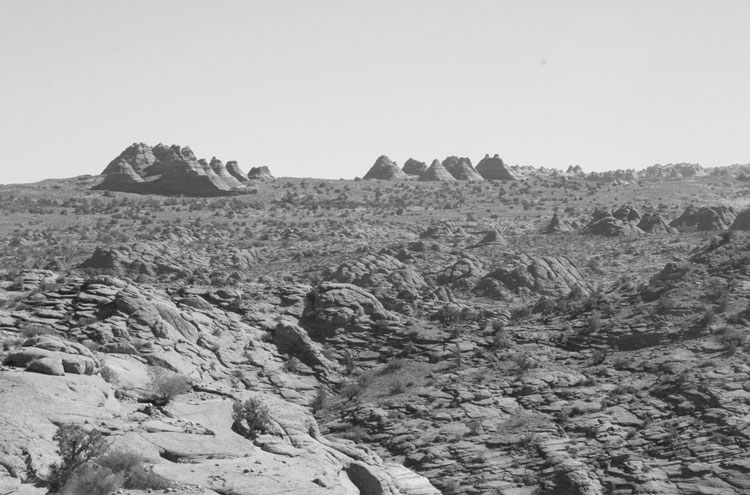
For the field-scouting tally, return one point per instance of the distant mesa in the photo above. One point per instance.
(169, 170)
(574, 170)
(385, 169)
(704, 218)
(494, 169)
(461, 168)
(414, 167)
(436, 172)
(260, 173)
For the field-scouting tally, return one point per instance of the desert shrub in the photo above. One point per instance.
(77, 446)
(91, 479)
(34, 329)
(500, 339)
(293, 365)
(708, 317)
(524, 361)
(251, 417)
(351, 390)
(393, 366)
(519, 313)
(130, 466)
(733, 339)
(396, 387)
(109, 375)
(166, 385)
(594, 322)
(348, 361)
(320, 401)
(10, 343)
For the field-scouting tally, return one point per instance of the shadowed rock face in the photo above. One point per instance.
(494, 169)
(385, 169)
(414, 167)
(168, 170)
(260, 173)
(461, 168)
(742, 222)
(436, 172)
(704, 218)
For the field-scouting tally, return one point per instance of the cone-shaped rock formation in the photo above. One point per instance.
(461, 168)
(436, 172)
(385, 169)
(704, 218)
(260, 173)
(494, 169)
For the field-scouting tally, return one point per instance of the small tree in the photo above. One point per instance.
(77, 447)
(250, 417)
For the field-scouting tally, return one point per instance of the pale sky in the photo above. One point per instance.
(322, 88)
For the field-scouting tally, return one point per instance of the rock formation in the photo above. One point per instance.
(494, 169)
(260, 173)
(414, 167)
(742, 221)
(556, 225)
(704, 218)
(606, 224)
(385, 169)
(236, 171)
(461, 168)
(168, 170)
(547, 275)
(653, 223)
(436, 172)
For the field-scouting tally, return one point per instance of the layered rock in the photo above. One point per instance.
(436, 172)
(385, 169)
(654, 223)
(414, 167)
(704, 218)
(461, 169)
(606, 224)
(168, 170)
(332, 305)
(236, 171)
(260, 173)
(547, 275)
(494, 169)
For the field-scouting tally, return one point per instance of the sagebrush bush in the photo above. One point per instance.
(77, 447)
(166, 385)
(130, 465)
(91, 479)
(251, 417)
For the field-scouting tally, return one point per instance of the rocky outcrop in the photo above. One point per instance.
(414, 167)
(461, 169)
(654, 223)
(556, 225)
(546, 275)
(436, 172)
(260, 173)
(606, 224)
(742, 221)
(494, 169)
(704, 218)
(236, 171)
(332, 305)
(168, 170)
(385, 169)
(218, 167)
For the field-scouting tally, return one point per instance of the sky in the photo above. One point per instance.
(322, 88)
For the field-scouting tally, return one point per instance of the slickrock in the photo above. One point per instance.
(332, 305)
(548, 275)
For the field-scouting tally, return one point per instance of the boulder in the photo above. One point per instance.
(385, 169)
(49, 351)
(742, 221)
